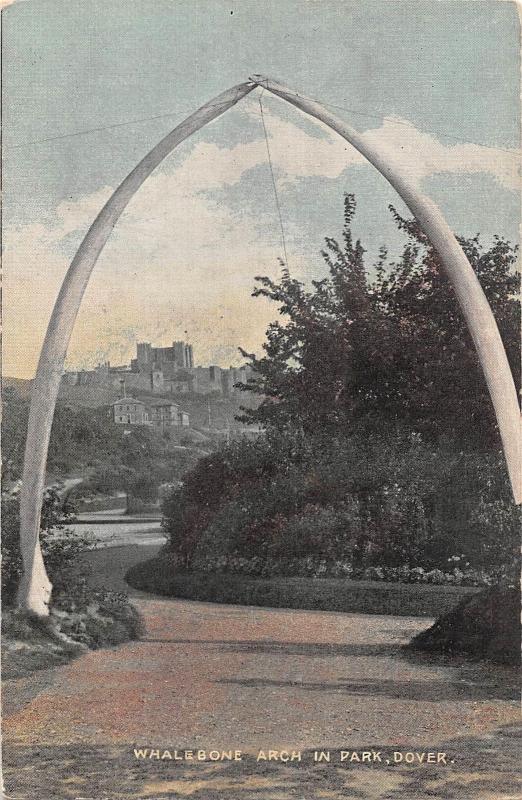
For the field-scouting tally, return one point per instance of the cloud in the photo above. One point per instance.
(295, 153)
(5, 3)
(421, 155)
(179, 260)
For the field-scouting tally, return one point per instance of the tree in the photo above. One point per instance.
(61, 546)
(394, 349)
(35, 588)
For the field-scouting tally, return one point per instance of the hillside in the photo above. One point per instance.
(212, 413)
(221, 411)
(85, 442)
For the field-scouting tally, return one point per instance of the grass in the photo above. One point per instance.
(30, 643)
(157, 575)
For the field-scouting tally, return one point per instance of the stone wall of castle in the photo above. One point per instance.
(161, 370)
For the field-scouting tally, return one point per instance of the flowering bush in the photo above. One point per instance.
(373, 508)
(320, 568)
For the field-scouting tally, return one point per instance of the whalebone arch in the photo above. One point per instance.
(35, 587)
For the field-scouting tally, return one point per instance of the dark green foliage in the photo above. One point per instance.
(61, 548)
(80, 617)
(97, 617)
(138, 464)
(162, 576)
(79, 620)
(485, 625)
(393, 349)
(347, 504)
(14, 428)
(381, 450)
(11, 557)
(141, 462)
(84, 440)
(219, 476)
(80, 438)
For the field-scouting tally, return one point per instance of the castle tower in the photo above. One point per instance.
(143, 353)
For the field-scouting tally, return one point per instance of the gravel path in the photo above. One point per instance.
(208, 677)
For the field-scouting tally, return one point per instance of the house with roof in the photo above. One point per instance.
(160, 413)
(130, 411)
(163, 413)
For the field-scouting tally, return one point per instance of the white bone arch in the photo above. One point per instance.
(35, 587)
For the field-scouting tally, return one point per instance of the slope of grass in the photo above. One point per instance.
(484, 625)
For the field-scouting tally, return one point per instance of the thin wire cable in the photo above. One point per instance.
(278, 206)
(93, 130)
(108, 127)
(514, 153)
(102, 128)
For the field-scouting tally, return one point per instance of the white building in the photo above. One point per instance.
(157, 412)
(129, 411)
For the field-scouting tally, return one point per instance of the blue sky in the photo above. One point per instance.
(184, 255)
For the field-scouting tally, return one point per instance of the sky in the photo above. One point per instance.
(90, 87)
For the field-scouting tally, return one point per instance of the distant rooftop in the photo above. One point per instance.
(128, 400)
(161, 402)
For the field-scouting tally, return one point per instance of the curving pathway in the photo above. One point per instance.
(209, 677)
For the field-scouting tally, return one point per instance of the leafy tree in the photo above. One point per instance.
(392, 349)
(61, 546)
(14, 427)
(380, 451)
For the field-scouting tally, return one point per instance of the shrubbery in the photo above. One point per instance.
(392, 508)
(85, 441)
(484, 625)
(96, 617)
(80, 617)
(162, 575)
(61, 547)
(381, 457)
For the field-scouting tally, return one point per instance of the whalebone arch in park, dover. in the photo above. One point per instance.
(35, 587)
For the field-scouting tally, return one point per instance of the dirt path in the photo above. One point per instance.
(208, 677)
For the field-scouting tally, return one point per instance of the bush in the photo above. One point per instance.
(80, 617)
(61, 547)
(485, 625)
(284, 505)
(80, 620)
(161, 575)
(96, 618)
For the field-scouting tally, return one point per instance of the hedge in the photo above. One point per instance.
(158, 576)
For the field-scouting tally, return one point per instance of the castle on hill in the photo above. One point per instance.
(162, 370)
